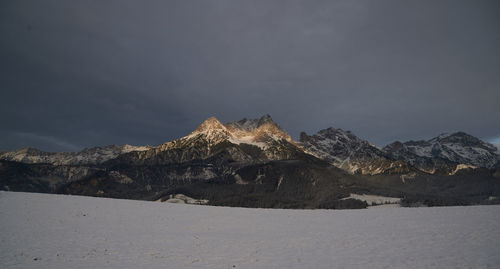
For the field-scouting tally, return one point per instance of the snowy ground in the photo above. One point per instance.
(53, 231)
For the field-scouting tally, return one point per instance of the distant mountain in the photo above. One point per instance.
(255, 163)
(445, 152)
(91, 156)
(258, 140)
(346, 151)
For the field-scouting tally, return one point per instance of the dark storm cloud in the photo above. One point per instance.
(77, 74)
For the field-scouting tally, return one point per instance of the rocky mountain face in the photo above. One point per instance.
(446, 153)
(212, 150)
(245, 141)
(254, 162)
(346, 151)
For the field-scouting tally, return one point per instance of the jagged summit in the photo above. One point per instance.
(211, 123)
(232, 139)
(461, 138)
(458, 148)
(251, 124)
(339, 147)
(265, 119)
(263, 133)
(454, 136)
(258, 130)
(345, 150)
(337, 137)
(465, 140)
(212, 128)
(249, 131)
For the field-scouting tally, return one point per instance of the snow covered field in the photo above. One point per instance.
(54, 231)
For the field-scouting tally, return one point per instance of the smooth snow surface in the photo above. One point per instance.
(53, 231)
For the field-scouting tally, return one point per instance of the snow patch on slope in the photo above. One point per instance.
(374, 199)
(462, 166)
(184, 199)
(250, 140)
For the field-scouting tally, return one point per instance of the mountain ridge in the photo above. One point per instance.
(255, 163)
(343, 149)
(437, 153)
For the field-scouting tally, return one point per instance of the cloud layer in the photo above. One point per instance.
(102, 72)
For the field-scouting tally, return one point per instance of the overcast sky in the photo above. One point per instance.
(75, 74)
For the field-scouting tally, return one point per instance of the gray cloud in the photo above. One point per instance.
(102, 72)
(42, 140)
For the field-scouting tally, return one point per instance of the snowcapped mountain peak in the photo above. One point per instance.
(441, 136)
(212, 136)
(263, 133)
(264, 119)
(249, 131)
(338, 134)
(244, 124)
(211, 130)
(250, 124)
(346, 151)
(466, 140)
(458, 148)
(210, 124)
(258, 130)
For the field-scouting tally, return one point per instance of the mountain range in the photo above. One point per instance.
(254, 162)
